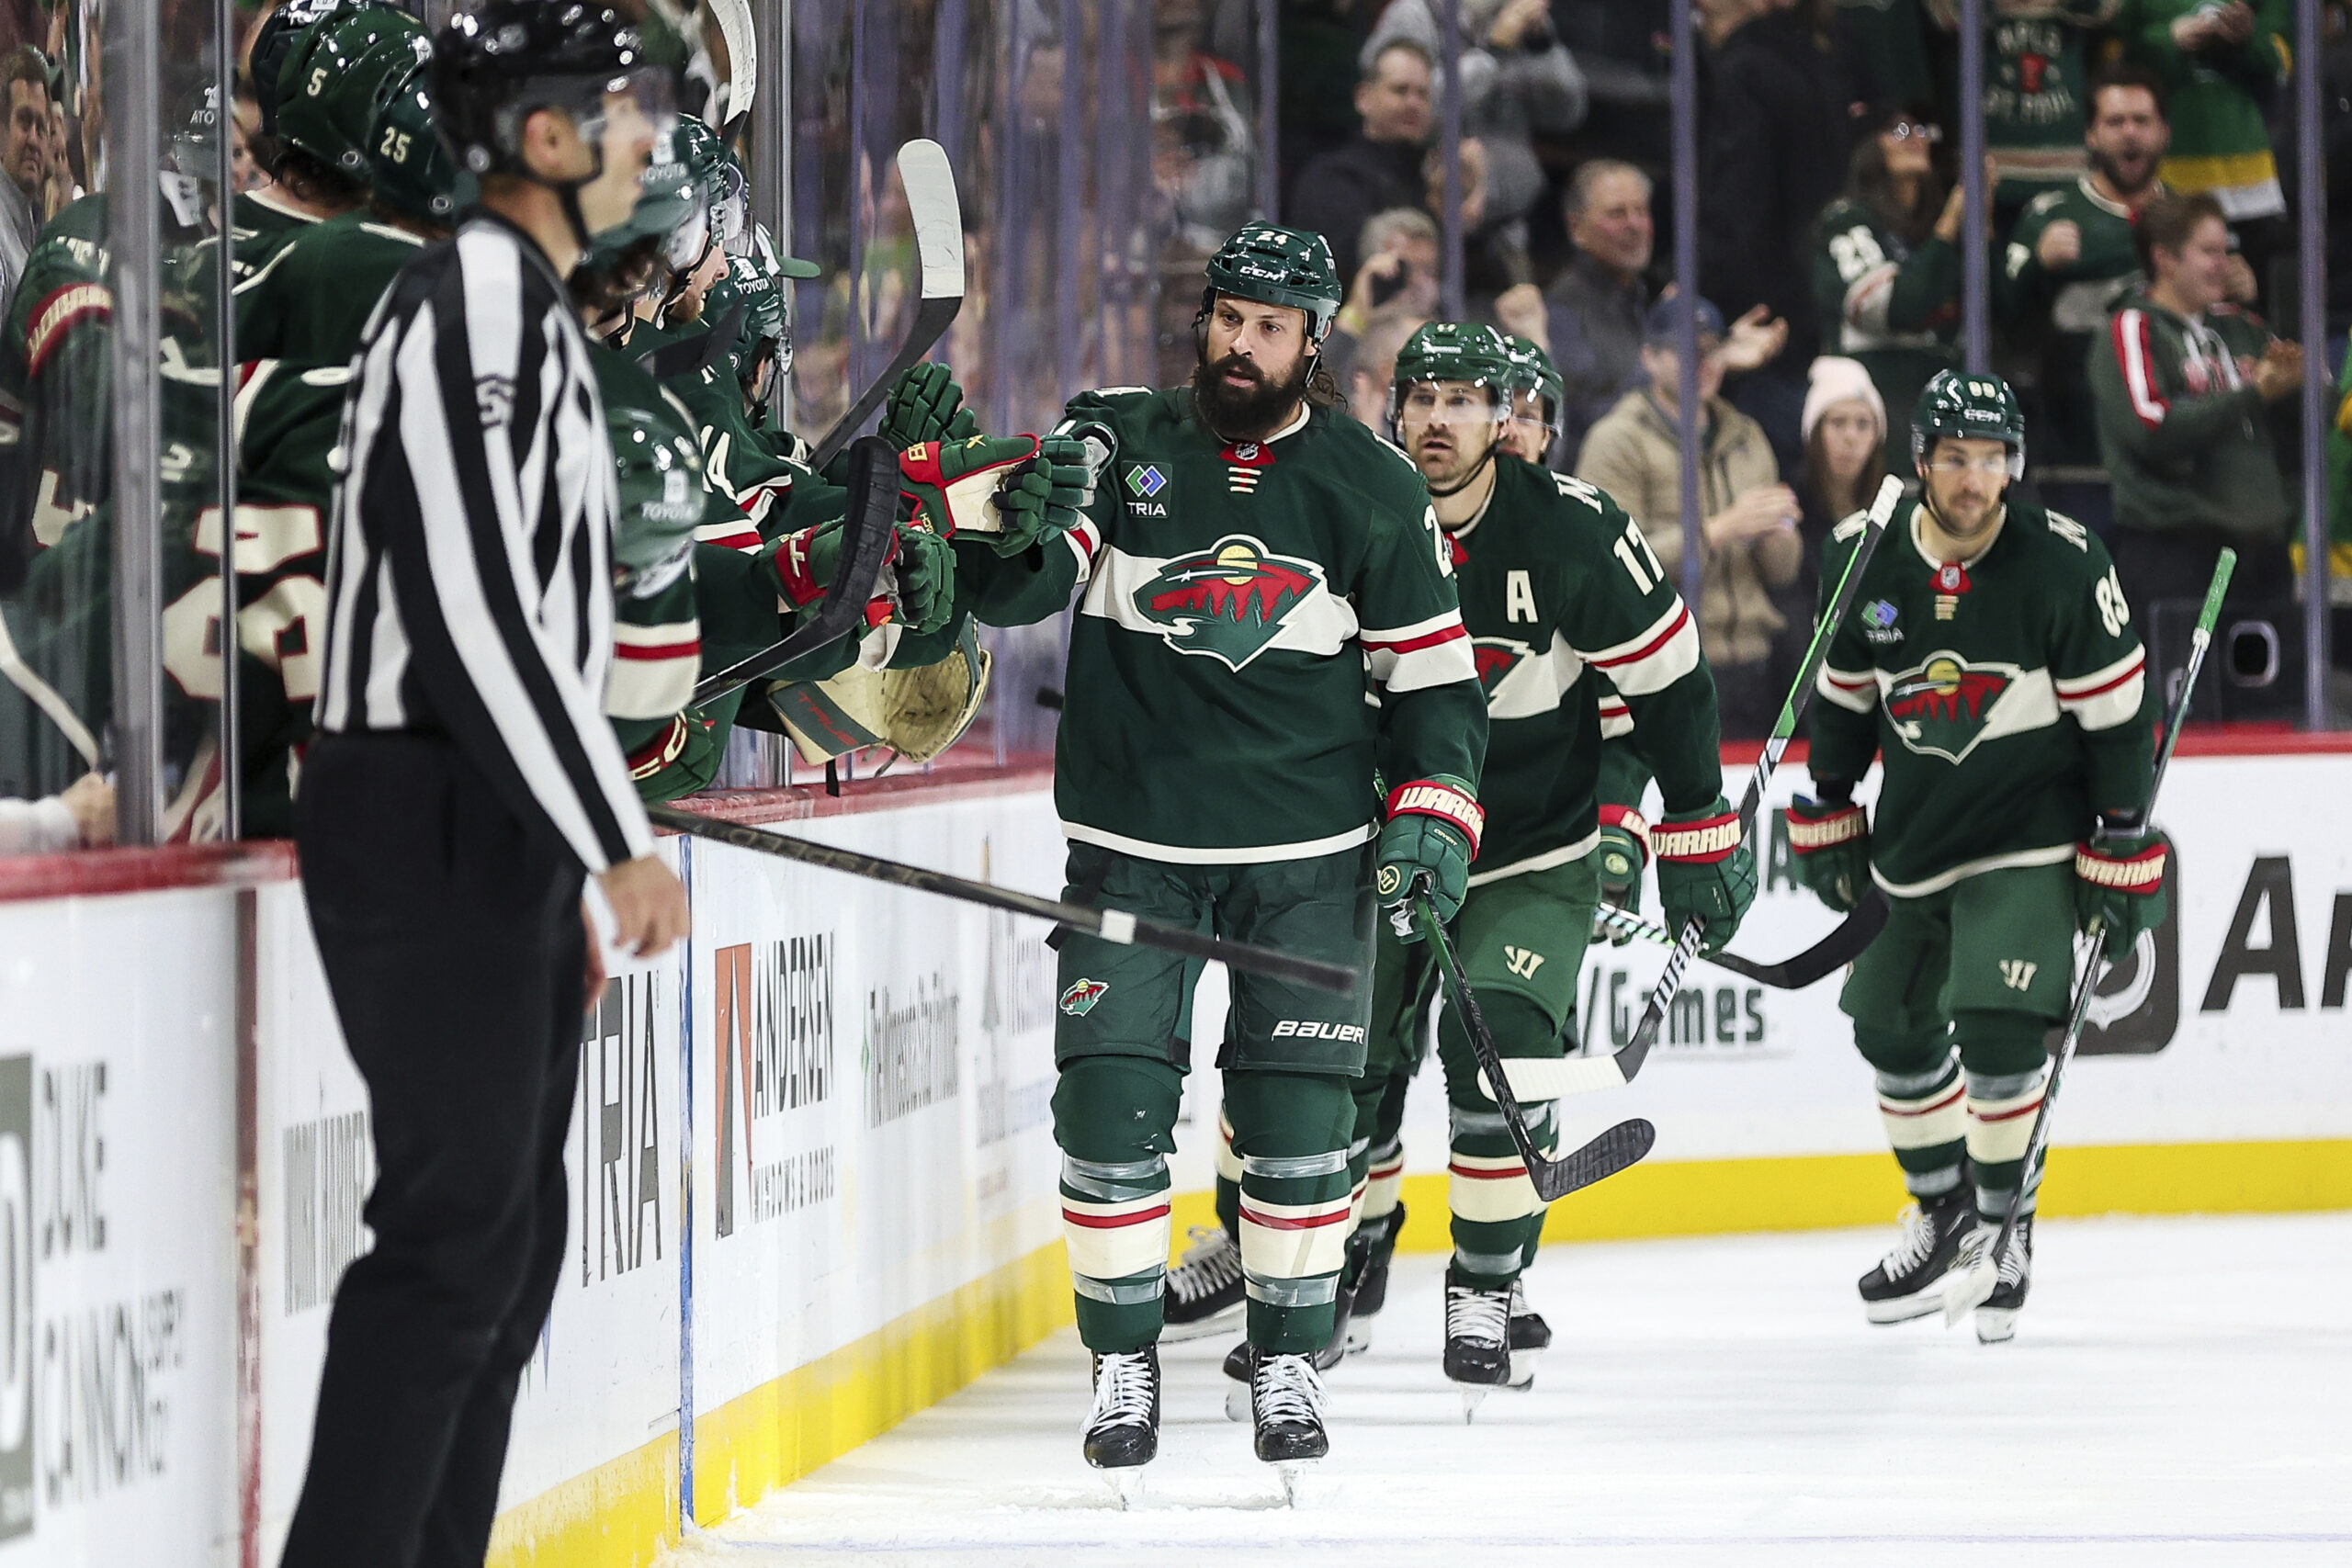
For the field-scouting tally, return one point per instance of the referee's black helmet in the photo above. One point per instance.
(494, 66)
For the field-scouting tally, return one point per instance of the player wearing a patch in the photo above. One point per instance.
(1992, 667)
(1556, 591)
(1267, 623)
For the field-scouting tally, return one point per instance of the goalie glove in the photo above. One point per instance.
(1830, 841)
(1705, 872)
(925, 405)
(1430, 838)
(2120, 877)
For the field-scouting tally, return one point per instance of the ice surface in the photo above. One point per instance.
(2179, 1392)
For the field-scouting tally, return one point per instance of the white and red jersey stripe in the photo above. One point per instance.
(1434, 652)
(1654, 658)
(1616, 717)
(2133, 353)
(1085, 542)
(1856, 691)
(653, 669)
(2108, 697)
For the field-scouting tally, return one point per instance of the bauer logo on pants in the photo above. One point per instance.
(1079, 999)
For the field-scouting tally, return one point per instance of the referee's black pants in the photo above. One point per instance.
(453, 944)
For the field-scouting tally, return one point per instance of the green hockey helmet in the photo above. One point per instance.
(327, 90)
(279, 35)
(1538, 374)
(718, 178)
(1274, 265)
(668, 209)
(1979, 406)
(1455, 350)
(661, 498)
(407, 161)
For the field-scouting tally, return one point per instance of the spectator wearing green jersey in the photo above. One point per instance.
(2221, 62)
(2184, 382)
(1886, 264)
(2036, 99)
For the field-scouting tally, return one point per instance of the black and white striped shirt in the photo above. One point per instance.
(469, 573)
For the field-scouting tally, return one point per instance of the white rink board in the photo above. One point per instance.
(117, 1199)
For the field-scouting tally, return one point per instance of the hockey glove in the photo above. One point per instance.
(805, 563)
(1044, 497)
(1431, 840)
(925, 404)
(925, 565)
(2120, 876)
(1705, 872)
(1830, 841)
(1623, 851)
(951, 485)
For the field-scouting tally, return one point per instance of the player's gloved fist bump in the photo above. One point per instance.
(1831, 842)
(926, 571)
(805, 563)
(1431, 837)
(1705, 872)
(953, 484)
(1046, 496)
(925, 404)
(1623, 851)
(2119, 875)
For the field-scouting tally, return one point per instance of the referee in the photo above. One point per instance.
(465, 782)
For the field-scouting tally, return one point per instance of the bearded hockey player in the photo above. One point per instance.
(1252, 559)
(1556, 589)
(1993, 667)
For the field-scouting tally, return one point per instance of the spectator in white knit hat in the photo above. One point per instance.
(1844, 431)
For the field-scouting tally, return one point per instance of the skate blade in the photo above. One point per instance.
(1522, 1370)
(1995, 1325)
(1472, 1396)
(1236, 1403)
(1294, 1474)
(1224, 1322)
(1359, 1335)
(1965, 1289)
(1130, 1487)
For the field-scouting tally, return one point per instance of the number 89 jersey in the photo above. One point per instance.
(2006, 696)
(1556, 583)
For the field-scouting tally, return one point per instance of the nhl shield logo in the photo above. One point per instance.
(1079, 999)
(1227, 602)
(1943, 708)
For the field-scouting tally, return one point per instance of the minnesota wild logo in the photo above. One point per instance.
(1497, 657)
(1942, 708)
(1227, 602)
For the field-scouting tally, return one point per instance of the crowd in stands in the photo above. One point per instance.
(2138, 156)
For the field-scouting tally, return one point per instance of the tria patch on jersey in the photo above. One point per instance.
(1496, 657)
(1942, 707)
(1227, 602)
(1878, 622)
(1079, 999)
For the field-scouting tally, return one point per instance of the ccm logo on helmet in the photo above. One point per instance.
(1311, 1029)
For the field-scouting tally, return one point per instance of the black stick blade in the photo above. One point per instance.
(1619, 1148)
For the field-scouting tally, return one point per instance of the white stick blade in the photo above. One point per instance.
(1965, 1289)
(938, 216)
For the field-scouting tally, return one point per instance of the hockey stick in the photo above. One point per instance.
(1110, 925)
(1824, 957)
(1615, 1149)
(939, 246)
(1964, 1293)
(867, 532)
(1587, 1074)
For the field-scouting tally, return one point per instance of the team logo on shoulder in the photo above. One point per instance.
(1944, 707)
(1079, 999)
(1497, 657)
(1227, 602)
(1878, 622)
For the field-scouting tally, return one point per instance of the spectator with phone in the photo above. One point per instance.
(1398, 279)
(1748, 518)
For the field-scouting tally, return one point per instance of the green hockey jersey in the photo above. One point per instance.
(1566, 608)
(1894, 308)
(2006, 696)
(309, 301)
(2064, 308)
(1238, 596)
(2035, 101)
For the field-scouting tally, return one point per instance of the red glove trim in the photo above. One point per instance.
(1703, 840)
(1425, 797)
(2143, 873)
(792, 571)
(1631, 820)
(1838, 825)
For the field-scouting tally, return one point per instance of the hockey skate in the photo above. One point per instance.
(1996, 1316)
(1123, 1430)
(1205, 1291)
(1237, 1360)
(1287, 1408)
(1477, 1341)
(1908, 1280)
(1371, 1281)
(1529, 1338)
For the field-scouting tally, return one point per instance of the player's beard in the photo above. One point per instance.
(1250, 412)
